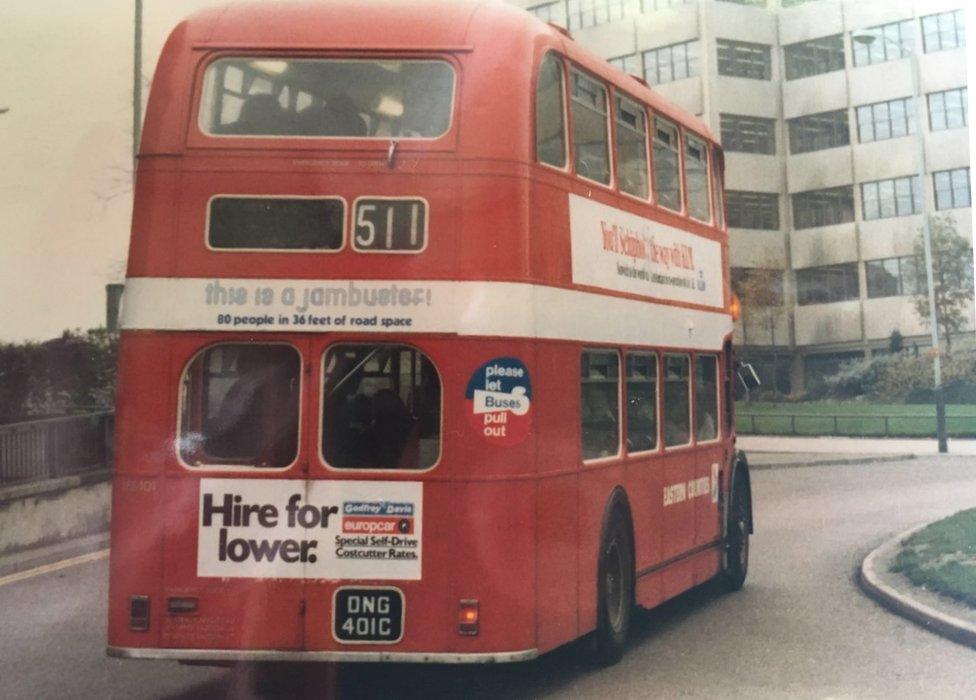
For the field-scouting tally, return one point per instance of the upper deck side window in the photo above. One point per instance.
(631, 143)
(591, 128)
(344, 98)
(550, 114)
(696, 178)
(667, 174)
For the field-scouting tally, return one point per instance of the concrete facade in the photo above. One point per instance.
(621, 30)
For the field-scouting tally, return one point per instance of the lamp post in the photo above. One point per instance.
(867, 38)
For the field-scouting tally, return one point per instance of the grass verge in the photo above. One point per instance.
(942, 557)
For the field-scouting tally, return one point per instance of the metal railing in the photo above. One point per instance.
(54, 447)
(851, 425)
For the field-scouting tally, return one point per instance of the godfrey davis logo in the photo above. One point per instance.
(377, 518)
(500, 393)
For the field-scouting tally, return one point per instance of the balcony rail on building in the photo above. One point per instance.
(851, 425)
(55, 447)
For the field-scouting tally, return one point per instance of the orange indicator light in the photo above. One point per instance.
(468, 617)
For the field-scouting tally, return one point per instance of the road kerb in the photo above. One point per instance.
(948, 626)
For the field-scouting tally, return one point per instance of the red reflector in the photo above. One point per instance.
(139, 613)
(178, 606)
(468, 617)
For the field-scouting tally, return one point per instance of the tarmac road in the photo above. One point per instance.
(799, 628)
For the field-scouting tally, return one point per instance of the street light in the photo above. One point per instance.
(867, 38)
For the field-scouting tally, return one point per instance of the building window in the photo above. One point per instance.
(743, 59)
(632, 148)
(589, 13)
(381, 408)
(600, 403)
(894, 277)
(823, 285)
(944, 31)
(952, 188)
(677, 400)
(792, 3)
(550, 131)
(887, 198)
(652, 5)
(815, 132)
(757, 3)
(641, 401)
(894, 40)
(827, 207)
(885, 120)
(554, 12)
(948, 109)
(670, 63)
(631, 65)
(667, 180)
(748, 134)
(814, 57)
(763, 286)
(590, 128)
(757, 210)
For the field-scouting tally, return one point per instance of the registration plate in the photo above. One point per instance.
(368, 615)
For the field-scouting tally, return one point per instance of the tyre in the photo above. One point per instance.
(615, 592)
(735, 555)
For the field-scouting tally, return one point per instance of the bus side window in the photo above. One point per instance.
(696, 177)
(718, 195)
(667, 180)
(706, 397)
(599, 403)
(631, 144)
(591, 128)
(677, 400)
(641, 401)
(550, 127)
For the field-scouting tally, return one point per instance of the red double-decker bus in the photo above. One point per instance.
(426, 348)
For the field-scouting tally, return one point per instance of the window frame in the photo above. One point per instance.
(691, 402)
(567, 126)
(718, 399)
(237, 467)
(844, 269)
(608, 125)
(789, 69)
(649, 170)
(738, 124)
(807, 131)
(687, 136)
(952, 188)
(320, 400)
(958, 31)
(736, 47)
(621, 452)
(657, 50)
(757, 206)
(963, 93)
(914, 191)
(679, 152)
(625, 423)
(910, 126)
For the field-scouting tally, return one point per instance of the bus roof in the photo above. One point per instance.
(414, 25)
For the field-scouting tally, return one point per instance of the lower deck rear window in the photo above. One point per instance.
(275, 223)
(239, 406)
(381, 408)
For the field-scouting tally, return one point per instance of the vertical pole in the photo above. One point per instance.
(940, 425)
(136, 85)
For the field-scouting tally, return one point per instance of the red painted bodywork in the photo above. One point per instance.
(516, 528)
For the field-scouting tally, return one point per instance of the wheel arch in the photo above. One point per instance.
(618, 503)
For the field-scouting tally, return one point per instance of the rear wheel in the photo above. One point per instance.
(615, 592)
(735, 558)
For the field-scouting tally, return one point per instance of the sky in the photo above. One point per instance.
(65, 145)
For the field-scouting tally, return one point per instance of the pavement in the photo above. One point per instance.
(845, 446)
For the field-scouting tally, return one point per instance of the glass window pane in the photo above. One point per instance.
(641, 402)
(706, 397)
(600, 406)
(240, 406)
(666, 179)
(696, 178)
(632, 148)
(590, 129)
(550, 131)
(381, 408)
(677, 400)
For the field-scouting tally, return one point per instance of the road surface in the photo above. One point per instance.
(799, 628)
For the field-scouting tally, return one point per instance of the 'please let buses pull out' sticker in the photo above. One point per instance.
(500, 393)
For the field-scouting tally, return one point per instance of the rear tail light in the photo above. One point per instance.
(468, 618)
(139, 613)
(182, 606)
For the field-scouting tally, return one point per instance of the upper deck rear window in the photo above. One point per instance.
(339, 98)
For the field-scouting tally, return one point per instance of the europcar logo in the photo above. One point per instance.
(500, 396)
(377, 518)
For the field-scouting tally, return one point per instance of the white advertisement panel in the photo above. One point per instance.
(617, 250)
(288, 528)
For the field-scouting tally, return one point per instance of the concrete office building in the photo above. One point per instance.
(821, 150)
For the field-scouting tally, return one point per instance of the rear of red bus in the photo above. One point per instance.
(311, 367)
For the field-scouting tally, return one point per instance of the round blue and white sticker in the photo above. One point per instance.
(500, 395)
